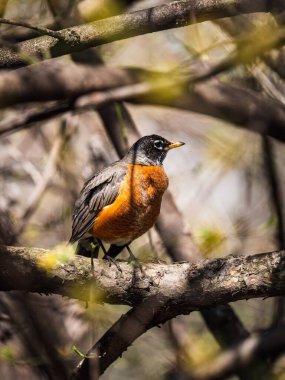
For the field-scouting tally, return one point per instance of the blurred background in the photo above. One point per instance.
(221, 181)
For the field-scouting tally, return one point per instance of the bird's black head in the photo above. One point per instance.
(150, 150)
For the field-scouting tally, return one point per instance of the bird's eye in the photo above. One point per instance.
(158, 144)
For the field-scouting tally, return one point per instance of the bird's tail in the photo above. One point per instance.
(72, 240)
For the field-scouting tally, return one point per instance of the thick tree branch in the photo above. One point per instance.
(138, 320)
(200, 285)
(207, 283)
(57, 80)
(238, 105)
(124, 331)
(173, 15)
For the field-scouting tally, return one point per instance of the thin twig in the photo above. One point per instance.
(40, 29)
(215, 99)
(26, 120)
(42, 185)
(26, 165)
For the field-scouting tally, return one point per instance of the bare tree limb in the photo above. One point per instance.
(58, 80)
(240, 106)
(173, 15)
(199, 285)
(262, 344)
(125, 330)
(27, 119)
(47, 176)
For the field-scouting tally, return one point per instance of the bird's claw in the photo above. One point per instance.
(132, 260)
(112, 261)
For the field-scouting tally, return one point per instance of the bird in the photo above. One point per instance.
(121, 202)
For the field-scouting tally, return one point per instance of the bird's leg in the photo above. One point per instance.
(134, 261)
(94, 253)
(107, 257)
(132, 257)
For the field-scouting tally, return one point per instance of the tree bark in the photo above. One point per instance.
(173, 15)
(240, 106)
(203, 284)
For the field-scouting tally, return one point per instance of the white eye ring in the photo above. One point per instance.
(158, 144)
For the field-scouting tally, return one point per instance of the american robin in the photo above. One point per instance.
(121, 202)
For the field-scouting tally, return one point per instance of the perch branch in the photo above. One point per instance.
(203, 284)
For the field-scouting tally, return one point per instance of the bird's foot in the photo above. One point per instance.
(109, 258)
(112, 261)
(135, 262)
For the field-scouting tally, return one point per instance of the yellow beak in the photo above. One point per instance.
(174, 145)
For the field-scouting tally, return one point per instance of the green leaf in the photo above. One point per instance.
(79, 353)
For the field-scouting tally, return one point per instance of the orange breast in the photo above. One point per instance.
(135, 209)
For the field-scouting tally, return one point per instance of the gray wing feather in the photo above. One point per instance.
(98, 192)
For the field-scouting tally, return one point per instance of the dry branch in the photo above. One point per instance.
(58, 80)
(197, 286)
(200, 285)
(47, 176)
(39, 29)
(264, 344)
(62, 81)
(173, 15)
